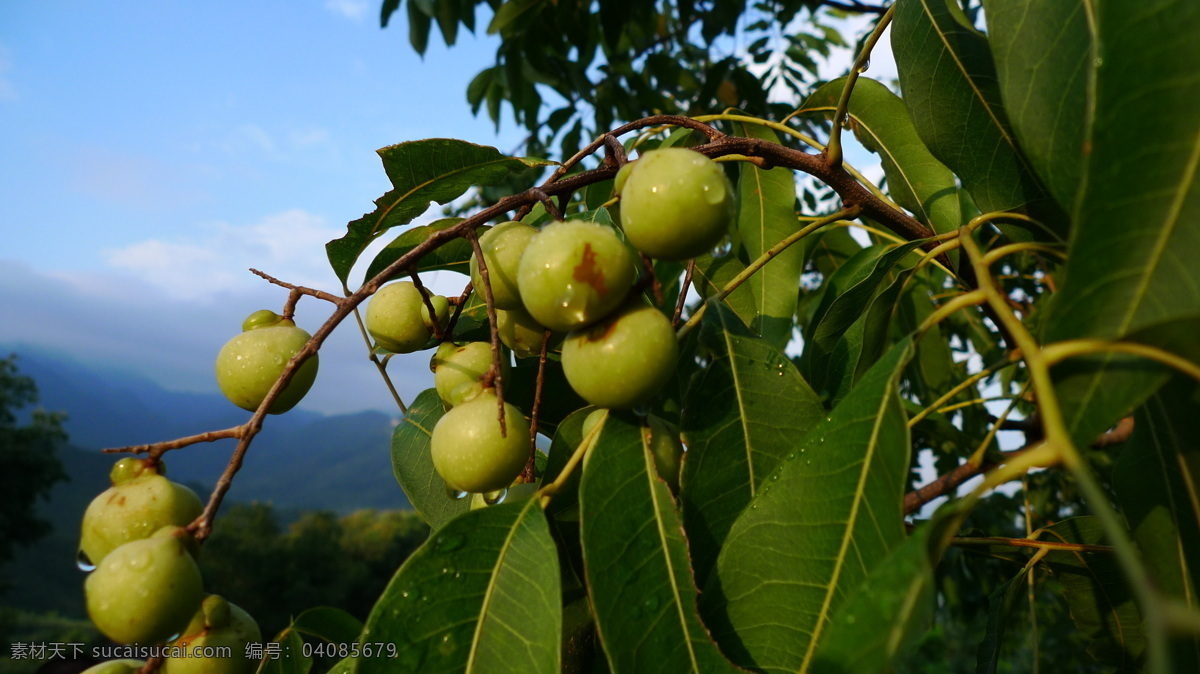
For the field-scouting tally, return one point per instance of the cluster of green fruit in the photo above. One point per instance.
(571, 277)
(144, 586)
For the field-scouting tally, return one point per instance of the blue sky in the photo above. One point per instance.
(150, 152)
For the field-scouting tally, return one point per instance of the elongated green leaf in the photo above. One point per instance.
(481, 595)
(855, 289)
(328, 624)
(413, 465)
(893, 607)
(1156, 480)
(452, 256)
(291, 660)
(915, 178)
(565, 504)
(1001, 605)
(422, 171)
(1131, 266)
(741, 418)
(949, 84)
(1101, 604)
(766, 215)
(1041, 51)
(713, 273)
(636, 558)
(828, 515)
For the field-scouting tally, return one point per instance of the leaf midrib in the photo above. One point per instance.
(491, 586)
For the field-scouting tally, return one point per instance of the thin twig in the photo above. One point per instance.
(1029, 543)
(539, 385)
(157, 449)
(459, 303)
(494, 376)
(683, 291)
(427, 298)
(312, 292)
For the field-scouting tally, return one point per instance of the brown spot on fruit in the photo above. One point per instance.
(587, 271)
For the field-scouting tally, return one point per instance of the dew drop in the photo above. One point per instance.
(775, 477)
(447, 645)
(723, 248)
(456, 494)
(449, 542)
(84, 563)
(413, 593)
(864, 67)
(173, 638)
(1097, 62)
(495, 497)
(792, 456)
(651, 603)
(641, 410)
(850, 619)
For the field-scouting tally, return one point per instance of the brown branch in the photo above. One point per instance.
(1029, 543)
(529, 475)
(494, 376)
(427, 298)
(1119, 433)
(157, 449)
(683, 291)
(312, 292)
(649, 280)
(459, 303)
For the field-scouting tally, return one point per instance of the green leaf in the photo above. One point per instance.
(418, 27)
(950, 87)
(328, 624)
(481, 595)
(1131, 265)
(413, 465)
(291, 660)
(636, 557)
(422, 171)
(564, 505)
(509, 12)
(1156, 480)
(713, 273)
(454, 255)
(1001, 604)
(855, 288)
(1041, 51)
(828, 515)
(1101, 604)
(915, 178)
(741, 417)
(766, 215)
(893, 607)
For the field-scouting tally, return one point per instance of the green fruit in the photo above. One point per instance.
(502, 248)
(249, 364)
(116, 667)
(399, 320)
(140, 502)
(519, 332)
(469, 452)
(146, 590)
(663, 440)
(218, 624)
(458, 373)
(676, 204)
(622, 361)
(574, 273)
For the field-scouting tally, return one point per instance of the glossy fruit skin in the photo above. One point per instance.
(574, 273)
(663, 440)
(116, 667)
(248, 365)
(458, 372)
(502, 246)
(624, 360)
(145, 591)
(399, 320)
(521, 333)
(676, 204)
(217, 624)
(140, 502)
(468, 451)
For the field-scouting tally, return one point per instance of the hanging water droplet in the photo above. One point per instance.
(723, 248)
(449, 542)
(641, 410)
(456, 494)
(864, 67)
(495, 497)
(84, 563)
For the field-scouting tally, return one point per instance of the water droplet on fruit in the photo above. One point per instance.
(723, 248)
(84, 563)
(495, 497)
(449, 542)
(456, 494)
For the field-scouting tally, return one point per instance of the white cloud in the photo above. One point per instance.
(351, 9)
(216, 259)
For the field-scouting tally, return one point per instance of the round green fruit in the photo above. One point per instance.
(624, 360)
(145, 591)
(663, 440)
(250, 363)
(399, 320)
(116, 667)
(502, 248)
(469, 452)
(140, 502)
(676, 204)
(458, 372)
(574, 273)
(519, 332)
(218, 624)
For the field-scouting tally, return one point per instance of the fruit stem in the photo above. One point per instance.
(495, 374)
(833, 151)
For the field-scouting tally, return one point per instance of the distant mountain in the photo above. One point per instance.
(300, 461)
